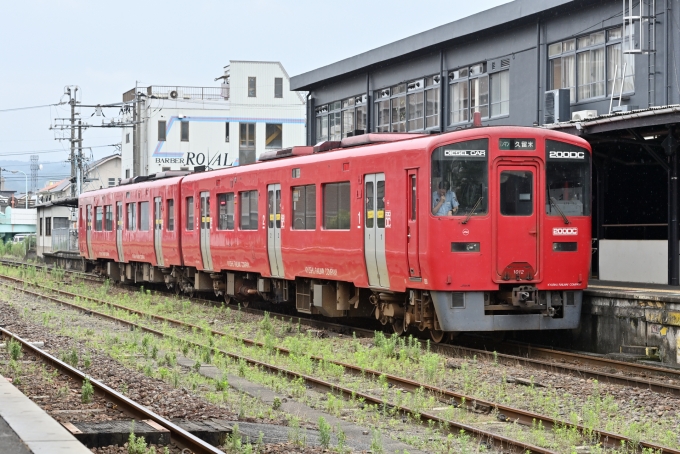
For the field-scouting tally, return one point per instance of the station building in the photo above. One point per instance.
(183, 128)
(605, 70)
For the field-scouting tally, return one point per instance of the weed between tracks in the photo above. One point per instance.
(398, 356)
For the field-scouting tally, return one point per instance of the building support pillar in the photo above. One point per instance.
(670, 146)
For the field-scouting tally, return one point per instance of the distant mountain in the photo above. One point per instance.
(51, 171)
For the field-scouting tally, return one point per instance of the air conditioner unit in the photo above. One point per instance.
(584, 114)
(556, 104)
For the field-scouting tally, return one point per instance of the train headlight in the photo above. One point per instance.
(464, 247)
(570, 246)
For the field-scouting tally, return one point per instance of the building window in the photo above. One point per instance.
(184, 131)
(336, 204)
(225, 203)
(131, 216)
(112, 182)
(48, 226)
(190, 213)
(161, 130)
(582, 65)
(335, 121)
(171, 215)
(500, 93)
(248, 210)
(143, 216)
(274, 136)
(99, 212)
(252, 92)
(40, 227)
(341, 119)
(322, 123)
(304, 207)
(398, 108)
(432, 102)
(127, 138)
(413, 106)
(127, 173)
(247, 144)
(108, 218)
(468, 93)
(278, 87)
(226, 132)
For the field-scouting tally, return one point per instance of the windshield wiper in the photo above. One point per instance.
(467, 218)
(553, 202)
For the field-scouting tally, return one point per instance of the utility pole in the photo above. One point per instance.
(72, 102)
(81, 176)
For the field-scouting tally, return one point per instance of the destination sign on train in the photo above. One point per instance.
(516, 144)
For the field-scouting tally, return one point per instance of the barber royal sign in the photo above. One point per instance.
(565, 231)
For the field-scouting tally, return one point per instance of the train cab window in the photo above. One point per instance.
(143, 216)
(225, 204)
(567, 179)
(171, 215)
(248, 210)
(516, 194)
(131, 216)
(98, 219)
(304, 207)
(460, 179)
(336, 204)
(190, 213)
(88, 215)
(108, 218)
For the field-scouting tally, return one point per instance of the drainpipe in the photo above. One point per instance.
(368, 103)
(538, 70)
(442, 80)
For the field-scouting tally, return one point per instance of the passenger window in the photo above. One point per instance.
(190, 213)
(380, 201)
(108, 218)
(225, 203)
(336, 204)
(304, 207)
(171, 215)
(516, 193)
(143, 216)
(98, 219)
(248, 210)
(370, 209)
(131, 216)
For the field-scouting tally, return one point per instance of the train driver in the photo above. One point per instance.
(444, 201)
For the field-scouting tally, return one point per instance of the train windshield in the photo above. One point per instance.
(567, 179)
(460, 179)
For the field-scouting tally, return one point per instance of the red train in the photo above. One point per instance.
(476, 230)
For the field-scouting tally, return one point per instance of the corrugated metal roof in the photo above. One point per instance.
(616, 116)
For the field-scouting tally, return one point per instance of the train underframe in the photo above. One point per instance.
(442, 313)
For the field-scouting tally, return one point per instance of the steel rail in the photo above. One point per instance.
(180, 436)
(609, 439)
(484, 436)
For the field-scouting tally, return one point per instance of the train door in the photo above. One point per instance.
(205, 231)
(88, 210)
(412, 237)
(119, 231)
(516, 232)
(274, 230)
(374, 230)
(158, 230)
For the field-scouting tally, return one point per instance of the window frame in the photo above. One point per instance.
(98, 218)
(280, 142)
(227, 205)
(170, 215)
(143, 221)
(248, 127)
(325, 207)
(252, 89)
(162, 130)
(184, 131)
(108, 218)
(384, 105)
(305, 198)
(464, 75)
(190, 213)
(48, 226)
(278, 87)
(131, 216)
(241, 195)
(226, 131)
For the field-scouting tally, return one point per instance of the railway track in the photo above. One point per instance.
(179, 436)
(506, 413)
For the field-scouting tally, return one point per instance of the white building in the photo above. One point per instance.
(180, 128)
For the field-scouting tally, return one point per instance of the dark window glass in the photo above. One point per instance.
(144, 216)
(304, 207)
(40, 227)
(98, 219)
(413, 197)
(226, 129)
(252, 92)
(184, 131)
(274, 134)
(119, 216)
(380, 202)
(161, 130)
(370, 209)
(516, 193)
(131, 216)
(248, 210)
(278, 87)
(570, 246)
(567, 179)
(190, 213)
(171, 215)
(225, 203)
(89, 217)
(336, 204)
(108, 218)
(48, 226)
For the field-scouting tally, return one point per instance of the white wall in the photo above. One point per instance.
(634, 261)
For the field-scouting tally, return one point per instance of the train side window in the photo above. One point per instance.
(88, 215)
(370, 209)
(98, 219)
(380, 201)
(171, 215)
(190, 213)
(225, 203)
(304, 207)
(108, 218)
(336, 204)
(248, 210)
(143, 216)
(131, 216)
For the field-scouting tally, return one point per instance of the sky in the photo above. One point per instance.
(105, 47)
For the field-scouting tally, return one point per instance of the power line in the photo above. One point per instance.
(31, 107)
(54, 150)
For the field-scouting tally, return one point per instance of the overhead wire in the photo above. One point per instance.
(30, 107)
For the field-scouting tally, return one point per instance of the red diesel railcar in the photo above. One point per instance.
(476, 230)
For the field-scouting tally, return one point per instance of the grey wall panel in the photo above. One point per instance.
(340, 90)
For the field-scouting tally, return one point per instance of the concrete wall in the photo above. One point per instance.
(634, 261)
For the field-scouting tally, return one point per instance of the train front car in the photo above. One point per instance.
(508, 232)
